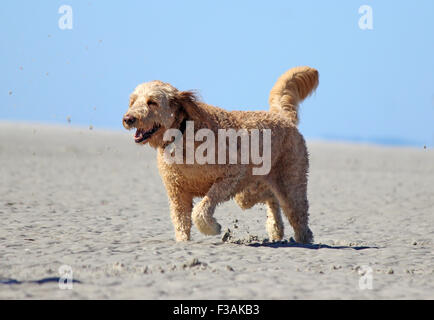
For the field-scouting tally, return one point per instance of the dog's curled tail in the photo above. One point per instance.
(291, 89)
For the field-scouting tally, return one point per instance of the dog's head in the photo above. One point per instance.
(155, 107)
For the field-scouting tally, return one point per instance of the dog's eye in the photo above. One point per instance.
(152, 103)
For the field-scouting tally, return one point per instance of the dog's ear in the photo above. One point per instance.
(187, 101)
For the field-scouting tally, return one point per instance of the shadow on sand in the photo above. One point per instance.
(40, 281)
(313, 246)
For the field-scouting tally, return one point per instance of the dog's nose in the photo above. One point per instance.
(129, 120)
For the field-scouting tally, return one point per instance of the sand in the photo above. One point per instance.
(93, 200)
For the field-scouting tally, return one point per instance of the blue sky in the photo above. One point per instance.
(375, 85)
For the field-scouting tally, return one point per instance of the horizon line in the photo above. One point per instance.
(378, 141)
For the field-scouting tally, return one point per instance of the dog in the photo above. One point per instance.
(155, 107)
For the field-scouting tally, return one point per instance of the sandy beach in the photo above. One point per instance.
(94, 201)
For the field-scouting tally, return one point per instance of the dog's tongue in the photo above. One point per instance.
(139, 135)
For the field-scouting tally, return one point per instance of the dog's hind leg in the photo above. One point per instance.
(293, 201)
(274, 224)
(222, 190)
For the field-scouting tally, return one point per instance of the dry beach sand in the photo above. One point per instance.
(94, 200)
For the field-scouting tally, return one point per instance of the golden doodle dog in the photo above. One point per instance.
(156, 106)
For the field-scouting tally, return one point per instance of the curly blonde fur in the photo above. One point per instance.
(157, 106)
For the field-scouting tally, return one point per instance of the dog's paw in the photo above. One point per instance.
(304, 236)
(216, 229)
(206, 224)
(212, 229)
(209, 228)
(274, 229)
(182, 236)
(274, 236)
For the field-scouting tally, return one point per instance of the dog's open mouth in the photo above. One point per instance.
(142, 135)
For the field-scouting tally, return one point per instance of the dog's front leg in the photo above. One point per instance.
(180, 211)
(220, 191)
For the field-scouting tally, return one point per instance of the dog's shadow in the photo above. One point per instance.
(293, 244)
(313, 246)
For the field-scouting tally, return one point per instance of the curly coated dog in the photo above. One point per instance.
(156, 106)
